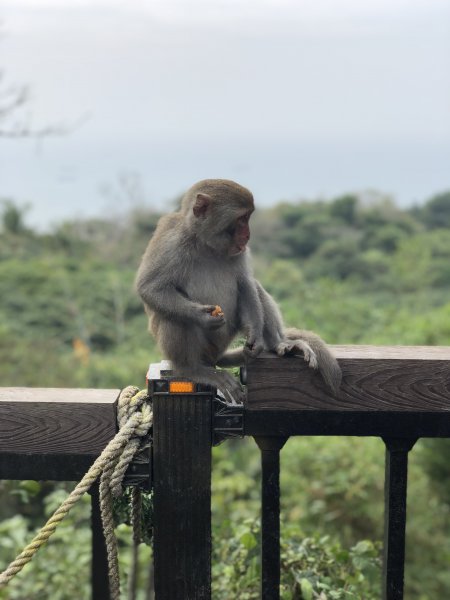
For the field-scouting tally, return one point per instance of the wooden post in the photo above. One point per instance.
(182, 496)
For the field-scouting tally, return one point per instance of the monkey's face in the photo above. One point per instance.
(226, 231)
(221, 217)
(239, 233)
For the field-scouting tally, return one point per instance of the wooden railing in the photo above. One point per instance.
(397, 393)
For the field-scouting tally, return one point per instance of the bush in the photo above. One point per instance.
(311, 568)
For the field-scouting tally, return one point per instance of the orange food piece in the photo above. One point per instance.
(217, 312)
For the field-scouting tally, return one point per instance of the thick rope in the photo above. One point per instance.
(131, 402)
(135, 420)
(106, 509)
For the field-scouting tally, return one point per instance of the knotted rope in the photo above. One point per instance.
(135, 418)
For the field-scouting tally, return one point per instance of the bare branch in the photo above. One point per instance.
(21, 130)
(12, 99)
(14, 124)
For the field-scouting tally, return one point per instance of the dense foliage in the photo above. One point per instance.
(356, 270)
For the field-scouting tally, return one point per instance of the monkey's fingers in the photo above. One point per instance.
(230, 388)
(217, 311)
(252, 349)
(211, 322)
(297, 346)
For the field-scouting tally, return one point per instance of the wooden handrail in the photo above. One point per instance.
(386, 390)
(53, 433)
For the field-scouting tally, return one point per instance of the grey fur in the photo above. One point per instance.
(189, 267)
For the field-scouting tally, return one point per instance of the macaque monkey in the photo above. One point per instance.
(199, 291)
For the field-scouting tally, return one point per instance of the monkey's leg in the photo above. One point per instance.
(325, 361)
(296, 341)
(295, 346)
(281, 340)
(237, 357)
(232, 358)
(187, 348)
(222, 380)
(290, 341)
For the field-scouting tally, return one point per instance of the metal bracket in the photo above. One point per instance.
(139, 473)
(227, 420)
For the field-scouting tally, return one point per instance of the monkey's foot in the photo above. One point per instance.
(295, 347)
(230, 388)
(222, 380)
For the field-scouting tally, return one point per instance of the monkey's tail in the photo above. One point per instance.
(327, 363)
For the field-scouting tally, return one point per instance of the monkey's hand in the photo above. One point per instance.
(296, 346)
(207, 319)
(253, 347)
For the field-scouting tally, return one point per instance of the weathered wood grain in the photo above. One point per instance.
(40, 421)
(375, 378)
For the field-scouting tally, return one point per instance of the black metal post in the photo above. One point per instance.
(270, 515)
(182, 496)
(99, 576)
(396, 476)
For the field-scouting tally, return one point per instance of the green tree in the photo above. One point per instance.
(436, 212)
(345, 208)
(12, 217)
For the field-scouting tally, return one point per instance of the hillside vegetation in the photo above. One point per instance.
(355, 270)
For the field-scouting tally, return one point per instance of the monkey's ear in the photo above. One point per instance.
(201, 204)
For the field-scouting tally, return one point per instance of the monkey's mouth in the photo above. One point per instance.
(236, 250)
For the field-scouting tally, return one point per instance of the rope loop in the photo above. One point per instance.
(135, 419)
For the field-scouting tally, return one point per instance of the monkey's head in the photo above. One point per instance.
(218, 211)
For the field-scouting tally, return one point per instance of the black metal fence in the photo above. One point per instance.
(183, 435)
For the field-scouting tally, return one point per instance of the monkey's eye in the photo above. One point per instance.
(244, 219)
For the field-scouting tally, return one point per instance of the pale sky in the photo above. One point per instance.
(294, 99)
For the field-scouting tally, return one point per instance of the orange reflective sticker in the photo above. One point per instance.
(181, 387)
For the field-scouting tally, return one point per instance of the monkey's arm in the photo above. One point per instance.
(169, 301)
(268, 318)
(251, 315)
(159, 283)
(251, 322)
(233, 358)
